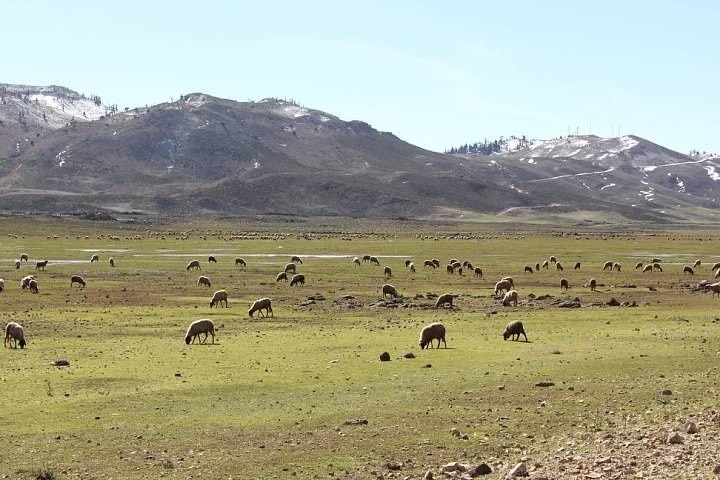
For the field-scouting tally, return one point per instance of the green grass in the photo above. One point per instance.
(271, 397)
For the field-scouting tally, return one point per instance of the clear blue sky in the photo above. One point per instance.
(434, 73)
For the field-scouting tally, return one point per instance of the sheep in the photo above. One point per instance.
(511, 296)
(95, 258)
(453, 260)
(456, 265)
(559, 267)
(434, 331)
(298, 279)
(577, 266)
(197, 327)
(537, 267)
(469, 266)
(450, 269)
(478, 272)
(714, 287)
(41, 265)
(638, 265)
(514, 330)
(239, 262)
(436, 262)
(218, 297)
(502, 285)
(509, 279)
(17, 264)
(657, 267)
(407, 263)
(608, 266)
(688, 269)
(356, 261)
(25, 281)
(2, 284)
(77, 279)
(697, 263)
(259, 305)
(460, 271)
(203, 280)
(375, 261)
(281, 276)
(429, 263)
(193, 265)
(655, 260)
(388, 289)
(387, 272)
(112, 261)
(617, 266)
(528, 269)
(366, 258)
(715, 266)
(717, 274)
(553, 259)
(564, 284)
(290, 267)
(647, 268)
(24, 257)
(212, 259)
(445, 299)
(296, 259)
(412, 267)
(545, 265)
(33, 286)
(14, 335)
(592, 283)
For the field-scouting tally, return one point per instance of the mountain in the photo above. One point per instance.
(202, 155)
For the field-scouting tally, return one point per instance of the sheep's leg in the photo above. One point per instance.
(444, 342)
(525, 335)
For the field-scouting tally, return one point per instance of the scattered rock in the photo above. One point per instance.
(409, 355)
(455, 432)
(344, 298)
(666, 392)
(691, 428)
(716, 470)
(428, 475)
(612, 302)
(427, 365)
(385, 357)
(453, 467)
(307, 302)
(356, 421)
(519, 470)
(545, 384)
(482, 469)
(569, 304)
(674, 438)
(61, 362)
(394, 465)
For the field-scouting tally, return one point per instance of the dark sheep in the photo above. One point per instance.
(514, 330)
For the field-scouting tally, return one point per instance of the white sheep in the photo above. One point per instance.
(412, 267)
(2, 284)
(14, 335)
(197, 327)
(356, 261)
(203, 280)
(510, 297)
(434, 331)
(25, 281)
(218, 297)
(261, 304)
(502, 285)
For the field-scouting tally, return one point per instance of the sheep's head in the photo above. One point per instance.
(22, 343)
(423, 344)
(188, 339)
(250, 312)
(506, 334)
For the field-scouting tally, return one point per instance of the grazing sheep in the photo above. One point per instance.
(356, 261)
(41, 265)
(647, 268)
(528, 269)
(387, 272)
(281, 276)
(592, 284)
(77, 279)
(655, 260)
(388, 289)
(14, 335)
(221, 296)
(261, 304)
(212, 259)
(95, 258)
(607, 266)
(469, 266)
(2, 284)
(478, 272)
(545, 265)
(436, 262)
(17, 264)
(509, 279)
(298, 279)
(564, 284)
(688, 269)
(450, 269)
(197, 327)
(412, 267)
(240, 262)
(577, 266)
(375, 261)
(290, 267)
(697, 263)
(25, 281)
(713, 287)
(193, 265)
(112, 261)
(366, 258)
(24, 257)
(203, 280)
(445, 299)
(456, 265)
(511, 296)
(502, 285)
(537, 267)
(434, 331)
(453, 260)
(33, 286)
(296, 259)
(407, 263)
(429, 263)
(638, 265)
(553, 259)
(559, 267)
(514, 330)
(715, 266)
(617, 266)
(657, 267)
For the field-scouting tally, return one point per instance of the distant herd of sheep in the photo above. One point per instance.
(15, 335)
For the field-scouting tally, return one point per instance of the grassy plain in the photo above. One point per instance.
(270, 399)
